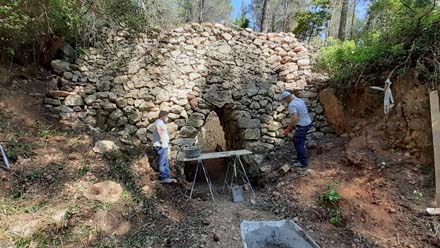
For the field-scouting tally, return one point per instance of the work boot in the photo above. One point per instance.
(168, 181)
(299, 165)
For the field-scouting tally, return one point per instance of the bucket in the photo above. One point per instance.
(192, 152)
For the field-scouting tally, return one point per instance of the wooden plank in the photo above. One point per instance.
(214, 155)
(435, 123)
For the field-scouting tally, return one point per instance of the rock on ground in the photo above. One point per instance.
(105, 146)
(333, 110)
(107, 191)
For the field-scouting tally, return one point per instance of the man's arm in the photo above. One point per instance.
(159, 131)
(292, 124)
(293, 119)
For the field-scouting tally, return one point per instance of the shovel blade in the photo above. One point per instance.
(237, 194)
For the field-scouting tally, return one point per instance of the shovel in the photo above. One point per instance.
(237, 194)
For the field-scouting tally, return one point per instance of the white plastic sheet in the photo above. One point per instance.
(388, 100)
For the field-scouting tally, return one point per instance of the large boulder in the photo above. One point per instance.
(105, 146)
(217, 97)
(74, 100)
(59, 66)
(188, 132)
(333, 110)
(248, 123)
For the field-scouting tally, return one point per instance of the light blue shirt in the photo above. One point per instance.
(298, 107)
(156, 138)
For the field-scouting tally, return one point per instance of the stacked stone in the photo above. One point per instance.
(190, 72)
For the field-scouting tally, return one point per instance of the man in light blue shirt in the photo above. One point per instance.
(301, 122)
(161, 142)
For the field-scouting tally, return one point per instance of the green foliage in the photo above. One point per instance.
(25, 25)
(312, 21)
(212, 11)
(330, 201)
(330, 198)
(335, 217)
(399, 34)
(242, 22)
(83, 170)
(16, 148)
(131, 13)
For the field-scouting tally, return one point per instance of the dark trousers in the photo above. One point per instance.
(299, 140)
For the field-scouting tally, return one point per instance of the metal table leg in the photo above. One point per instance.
(245, 175)
(225, 183)
(208, 180)
(194, 180)
(233, 175)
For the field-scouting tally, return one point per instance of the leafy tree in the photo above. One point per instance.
(280, 14)
(242, 21)
(205, 10)
(312, 21)
(27, 27)
(399, 35)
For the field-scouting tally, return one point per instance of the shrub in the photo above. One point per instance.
(26, 26)
(329, 200)
(398, 35)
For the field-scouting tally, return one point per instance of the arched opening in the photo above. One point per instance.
(211, 138)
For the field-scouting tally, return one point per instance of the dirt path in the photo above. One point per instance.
(224, 218)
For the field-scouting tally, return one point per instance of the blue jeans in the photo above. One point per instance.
(163, 165)
(299, 140)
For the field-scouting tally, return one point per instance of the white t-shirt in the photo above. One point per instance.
(298, 107)
(156, 138)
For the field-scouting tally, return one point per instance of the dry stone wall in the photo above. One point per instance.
(190, 71)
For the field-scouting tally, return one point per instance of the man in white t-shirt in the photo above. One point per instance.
(161, 141)
(301, 122)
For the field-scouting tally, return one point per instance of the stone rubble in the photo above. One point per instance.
(191, 71)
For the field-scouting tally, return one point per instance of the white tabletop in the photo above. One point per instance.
(213, 155)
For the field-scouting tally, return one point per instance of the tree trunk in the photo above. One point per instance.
(286, 16)
(263, 15)
(343, 20)
(352, 19)
(333, 26)
(327, 33)
(272, 23)
(311, 33)
(201, 6)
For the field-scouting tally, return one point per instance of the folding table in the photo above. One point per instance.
(237, 169)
